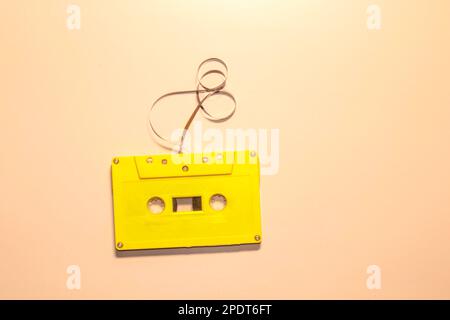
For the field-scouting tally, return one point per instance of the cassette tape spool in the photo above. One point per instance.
(186, 200)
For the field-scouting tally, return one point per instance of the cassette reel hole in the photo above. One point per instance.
(218, 202)
(156, 205)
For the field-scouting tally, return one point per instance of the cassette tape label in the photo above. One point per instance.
(160, 202)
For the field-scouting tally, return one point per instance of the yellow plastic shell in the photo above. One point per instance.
(137, 179)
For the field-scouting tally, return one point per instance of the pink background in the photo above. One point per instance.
(364, 119)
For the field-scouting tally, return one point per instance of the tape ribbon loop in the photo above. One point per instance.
(203, 92)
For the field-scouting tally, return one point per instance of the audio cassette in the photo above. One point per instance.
(186, 200)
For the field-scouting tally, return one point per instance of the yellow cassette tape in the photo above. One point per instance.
(186, 200)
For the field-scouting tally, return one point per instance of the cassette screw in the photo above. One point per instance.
(116, 160)
(185, 168)
(257, 238)
(253, 153)
(205, 159)
(149, 160)
(164, 161)
(119, 245)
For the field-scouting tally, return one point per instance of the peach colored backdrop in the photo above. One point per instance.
(364, 119)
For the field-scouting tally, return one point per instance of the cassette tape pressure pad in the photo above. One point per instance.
(186, 200)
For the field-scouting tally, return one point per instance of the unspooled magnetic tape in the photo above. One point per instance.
(181, 199)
